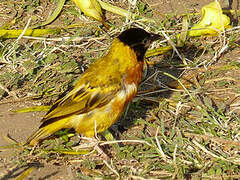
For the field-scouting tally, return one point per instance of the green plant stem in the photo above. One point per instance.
(122, 12)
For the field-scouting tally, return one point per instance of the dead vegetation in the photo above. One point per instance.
(183, 124)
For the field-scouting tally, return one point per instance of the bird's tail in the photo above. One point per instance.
(46, 130)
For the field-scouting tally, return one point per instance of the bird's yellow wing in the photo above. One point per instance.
(82, 99)
(91, 92)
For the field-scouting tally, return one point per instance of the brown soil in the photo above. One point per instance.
(20, 125)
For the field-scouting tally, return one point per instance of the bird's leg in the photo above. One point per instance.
(91, 143)
(101, 151)
(86, 143)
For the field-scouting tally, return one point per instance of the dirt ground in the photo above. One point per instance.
(20, 125)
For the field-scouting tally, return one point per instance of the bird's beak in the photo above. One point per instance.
(154, 37)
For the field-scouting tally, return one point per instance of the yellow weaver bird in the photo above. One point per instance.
(100, 96)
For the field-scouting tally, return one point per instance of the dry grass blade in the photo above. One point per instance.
(11, 93)
(25, 173)
(122, 12)
(183, 124)
(113, 170)
(53, 16)
(235, 161)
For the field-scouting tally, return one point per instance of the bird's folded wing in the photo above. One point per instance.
(81, 100)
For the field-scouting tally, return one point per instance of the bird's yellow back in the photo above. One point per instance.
(119, 60)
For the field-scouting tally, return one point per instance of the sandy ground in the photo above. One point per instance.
(20, 125)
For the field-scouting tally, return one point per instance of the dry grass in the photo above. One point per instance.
(184, 123)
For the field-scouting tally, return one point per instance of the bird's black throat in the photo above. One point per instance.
(140, 51)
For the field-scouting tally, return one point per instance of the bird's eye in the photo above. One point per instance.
(145, 41)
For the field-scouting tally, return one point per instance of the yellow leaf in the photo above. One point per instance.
(213, 21)
(33, 109)
(91, 8)
(29, 32)
(70, 152)
(157, 51)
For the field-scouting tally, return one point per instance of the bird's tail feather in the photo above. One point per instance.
(46, 131)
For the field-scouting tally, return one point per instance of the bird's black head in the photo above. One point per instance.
(138, 39)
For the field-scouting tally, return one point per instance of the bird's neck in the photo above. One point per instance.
(123, 52)
(127, 61)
